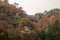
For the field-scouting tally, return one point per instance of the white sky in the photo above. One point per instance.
(35, 6)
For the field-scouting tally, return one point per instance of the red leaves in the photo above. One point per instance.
(11, 32)
(46, 16)
(3, 14)
(59, 12)
(3, 24)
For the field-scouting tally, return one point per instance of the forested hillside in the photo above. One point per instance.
(15, 24)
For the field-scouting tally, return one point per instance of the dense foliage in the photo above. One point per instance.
(15, 24)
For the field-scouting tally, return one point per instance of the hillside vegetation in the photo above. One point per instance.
(15, 24)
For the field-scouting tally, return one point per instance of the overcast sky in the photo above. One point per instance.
(36, 6)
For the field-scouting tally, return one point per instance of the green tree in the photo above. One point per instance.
(5, 0)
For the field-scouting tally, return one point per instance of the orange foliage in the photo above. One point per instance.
(51, 19)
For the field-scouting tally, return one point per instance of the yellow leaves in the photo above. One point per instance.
(23, 20)
(36, 26)
(52, 19)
